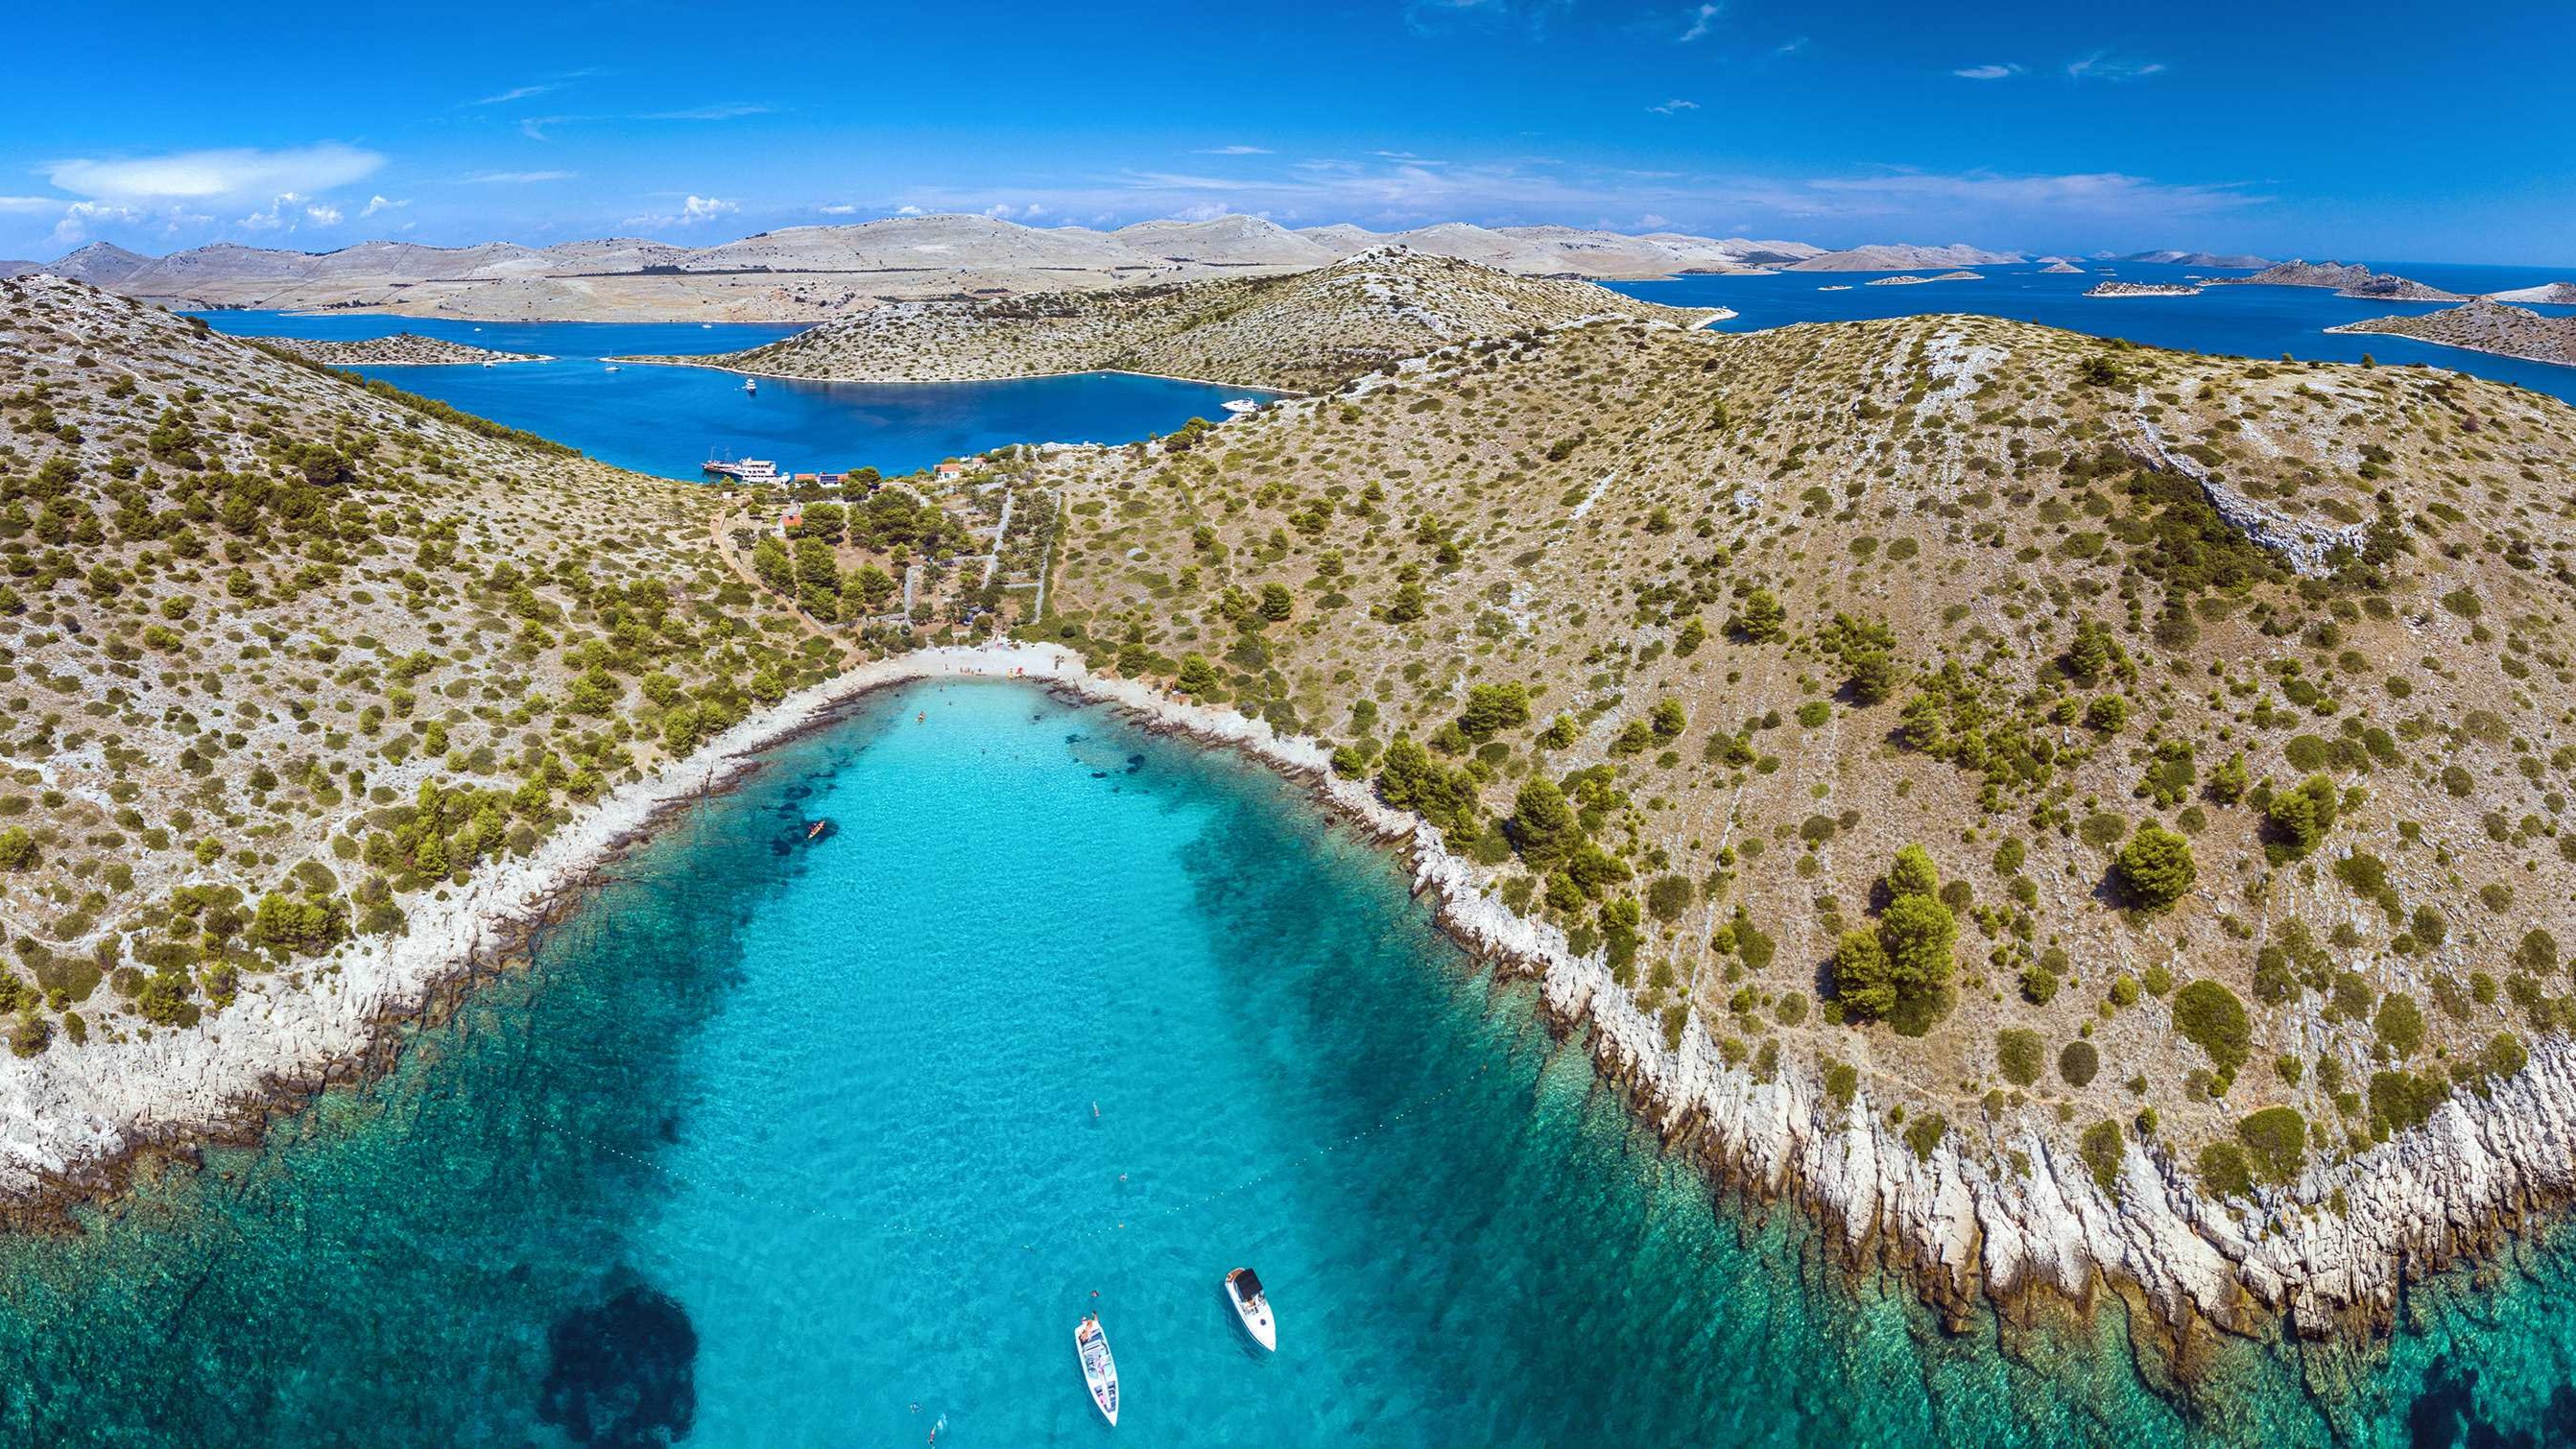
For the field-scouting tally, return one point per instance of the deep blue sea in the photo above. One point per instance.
(668, 420)
(780, 1144)
(2238, 321)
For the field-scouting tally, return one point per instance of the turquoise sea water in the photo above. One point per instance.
(668, 420)
(779, 1144)
(2237, 321)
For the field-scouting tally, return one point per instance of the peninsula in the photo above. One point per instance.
(2484, 325)
(402, 349)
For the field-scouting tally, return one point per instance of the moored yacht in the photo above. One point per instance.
(1099, 1370)
(1252, 1305)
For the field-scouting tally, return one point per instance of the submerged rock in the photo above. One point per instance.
(623, 1372)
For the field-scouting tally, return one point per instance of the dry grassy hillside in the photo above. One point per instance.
(2225, 700)
(278, 652)
(1308, 331)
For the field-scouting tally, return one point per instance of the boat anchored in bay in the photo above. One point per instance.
(1099, 1370)
(1252, 1305)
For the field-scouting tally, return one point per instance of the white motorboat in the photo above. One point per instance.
(1241, 405)
(612, 367)
(1099, 1370)
(751, 384)
(1252, 1305)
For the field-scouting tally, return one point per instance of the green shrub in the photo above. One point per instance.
(2155, 868)
(2224, 1171)
(1924, 1133)
(2276, 1143)
(2100, 1147)
(2210, 1017)
(2078, 1063)
(2399, 1025)
(2021, 1054)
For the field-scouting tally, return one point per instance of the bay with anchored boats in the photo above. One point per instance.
(668, 420)
(800, 1138)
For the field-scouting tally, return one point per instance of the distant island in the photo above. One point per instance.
(2142, 289)
(1887, 258)
(402, 349)
(1914, 281)
(2347, 279)
(812, 273)
(1304, 332)
(2484, 325)
(2197, 259)
(2061, 269)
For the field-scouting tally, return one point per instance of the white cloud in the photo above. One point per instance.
(838, 209)
(1702, 19)
(705, 208)
(1794, 45)
(377, 204)
(514, 93)
(909, 210)
(81, 216)
(1987, 72)
(516, 178)
(235, 173)
(322, 213)
(1674, 107)
(2103, 65)
(1234, 150)
(29, 205)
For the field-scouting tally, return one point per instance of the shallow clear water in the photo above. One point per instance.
(2235, 321)
(775, 1143)
(668, 420)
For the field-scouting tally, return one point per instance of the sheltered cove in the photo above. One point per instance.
(2431, 1198)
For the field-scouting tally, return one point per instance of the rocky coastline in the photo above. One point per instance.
(402, 349)
(2017, 1223)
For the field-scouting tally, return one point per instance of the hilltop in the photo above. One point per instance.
(2077, 807)
(2484, 325)
(1307, 331)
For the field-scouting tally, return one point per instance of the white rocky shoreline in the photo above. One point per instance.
(1958, 1226)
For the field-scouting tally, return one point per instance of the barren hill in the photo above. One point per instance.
(2223, 700)
(1304, 331)
(1901, 258)
(807, 272)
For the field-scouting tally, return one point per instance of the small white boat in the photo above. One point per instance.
(751, 384)
(1252, 1305)
(1099, 1370)
(1241, 405)
(612, 367)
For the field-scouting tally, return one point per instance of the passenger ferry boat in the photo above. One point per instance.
(746, 470)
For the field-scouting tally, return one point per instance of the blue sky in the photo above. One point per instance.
(2369, 130)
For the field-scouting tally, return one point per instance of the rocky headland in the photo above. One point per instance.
(2484, 325)
(402, 349)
